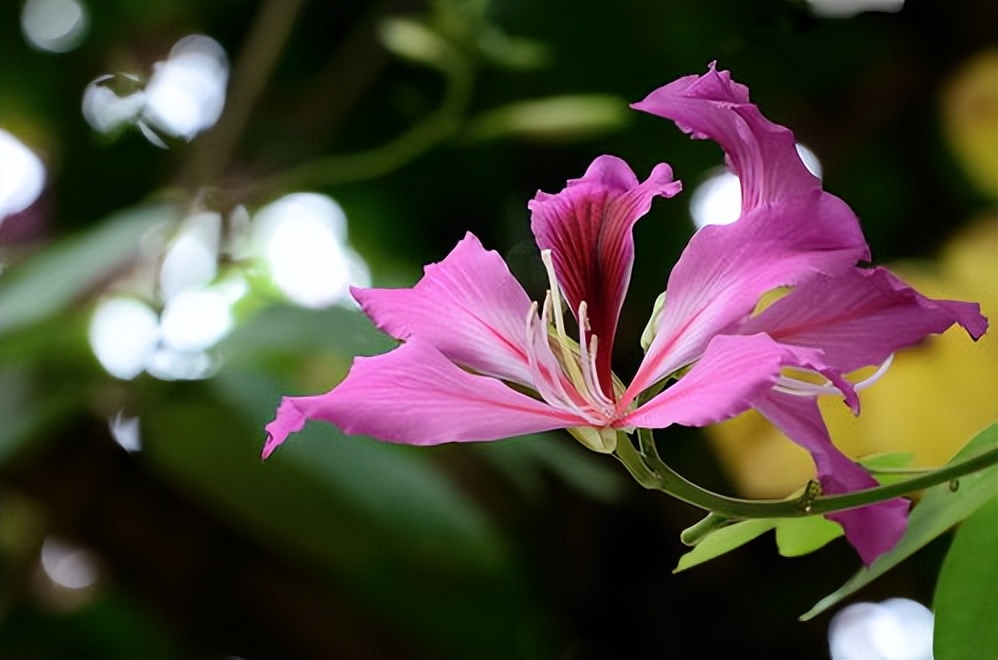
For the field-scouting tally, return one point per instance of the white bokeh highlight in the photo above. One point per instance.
(126, 432)
(302, 239)
(298, 243)
(718, 199)
(191, 261)
(848, 8)
(67, 565)
(124, 333)
(184, 95)
(810, 160)
(195, 320)
(106, 110)
(54, 26)
(168, 364)
(896, 629)
(186, 92)
(22, 175)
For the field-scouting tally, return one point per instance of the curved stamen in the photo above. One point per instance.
(877, 375)
(790, 385)
(548, 385)
(797, 387)
(555, 291)
(554, 300)
(587, 362)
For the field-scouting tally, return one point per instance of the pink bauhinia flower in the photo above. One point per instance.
(481, 361)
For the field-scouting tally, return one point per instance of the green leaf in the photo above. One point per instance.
(887, 460)
(297, 331)
(888, 468)
(383, 522)
(796, 537)
(941, 507)
(396, 493)
(61, 273)
(724, 540)
(966, 600)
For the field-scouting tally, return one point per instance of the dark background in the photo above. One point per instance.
(339, 547)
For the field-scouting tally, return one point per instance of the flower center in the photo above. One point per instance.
(564, 370)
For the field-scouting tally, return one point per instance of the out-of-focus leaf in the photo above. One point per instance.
(517, 53)
(110, 627)
(887, 461)
(882, 465)
(555, 119)
(388, 493)
(796, 537)
(25, 414)
(522, 459)
(414, 41)
(941, 507)
(383, 520)
(61, 273)
(966, 599)
(723, 541)
(395, 491)
(283, 328)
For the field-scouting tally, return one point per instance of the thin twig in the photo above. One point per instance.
(257, 57)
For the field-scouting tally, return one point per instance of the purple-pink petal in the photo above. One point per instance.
(733, 372)
(588, 228)
(762, 154)
(873, 529)
(415, 395)
(860, 317)
(469, 306)
(724, 271)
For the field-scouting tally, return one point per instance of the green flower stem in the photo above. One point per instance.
(652, 472)
(699, 530)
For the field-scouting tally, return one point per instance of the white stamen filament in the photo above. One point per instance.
(555, 291)
(790, 385)
(877, 375)
(550, 388)
(587, 360)
(797, 387)
(567, 361)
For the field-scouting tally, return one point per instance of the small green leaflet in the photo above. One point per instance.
(795, 537)
(941, 507)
